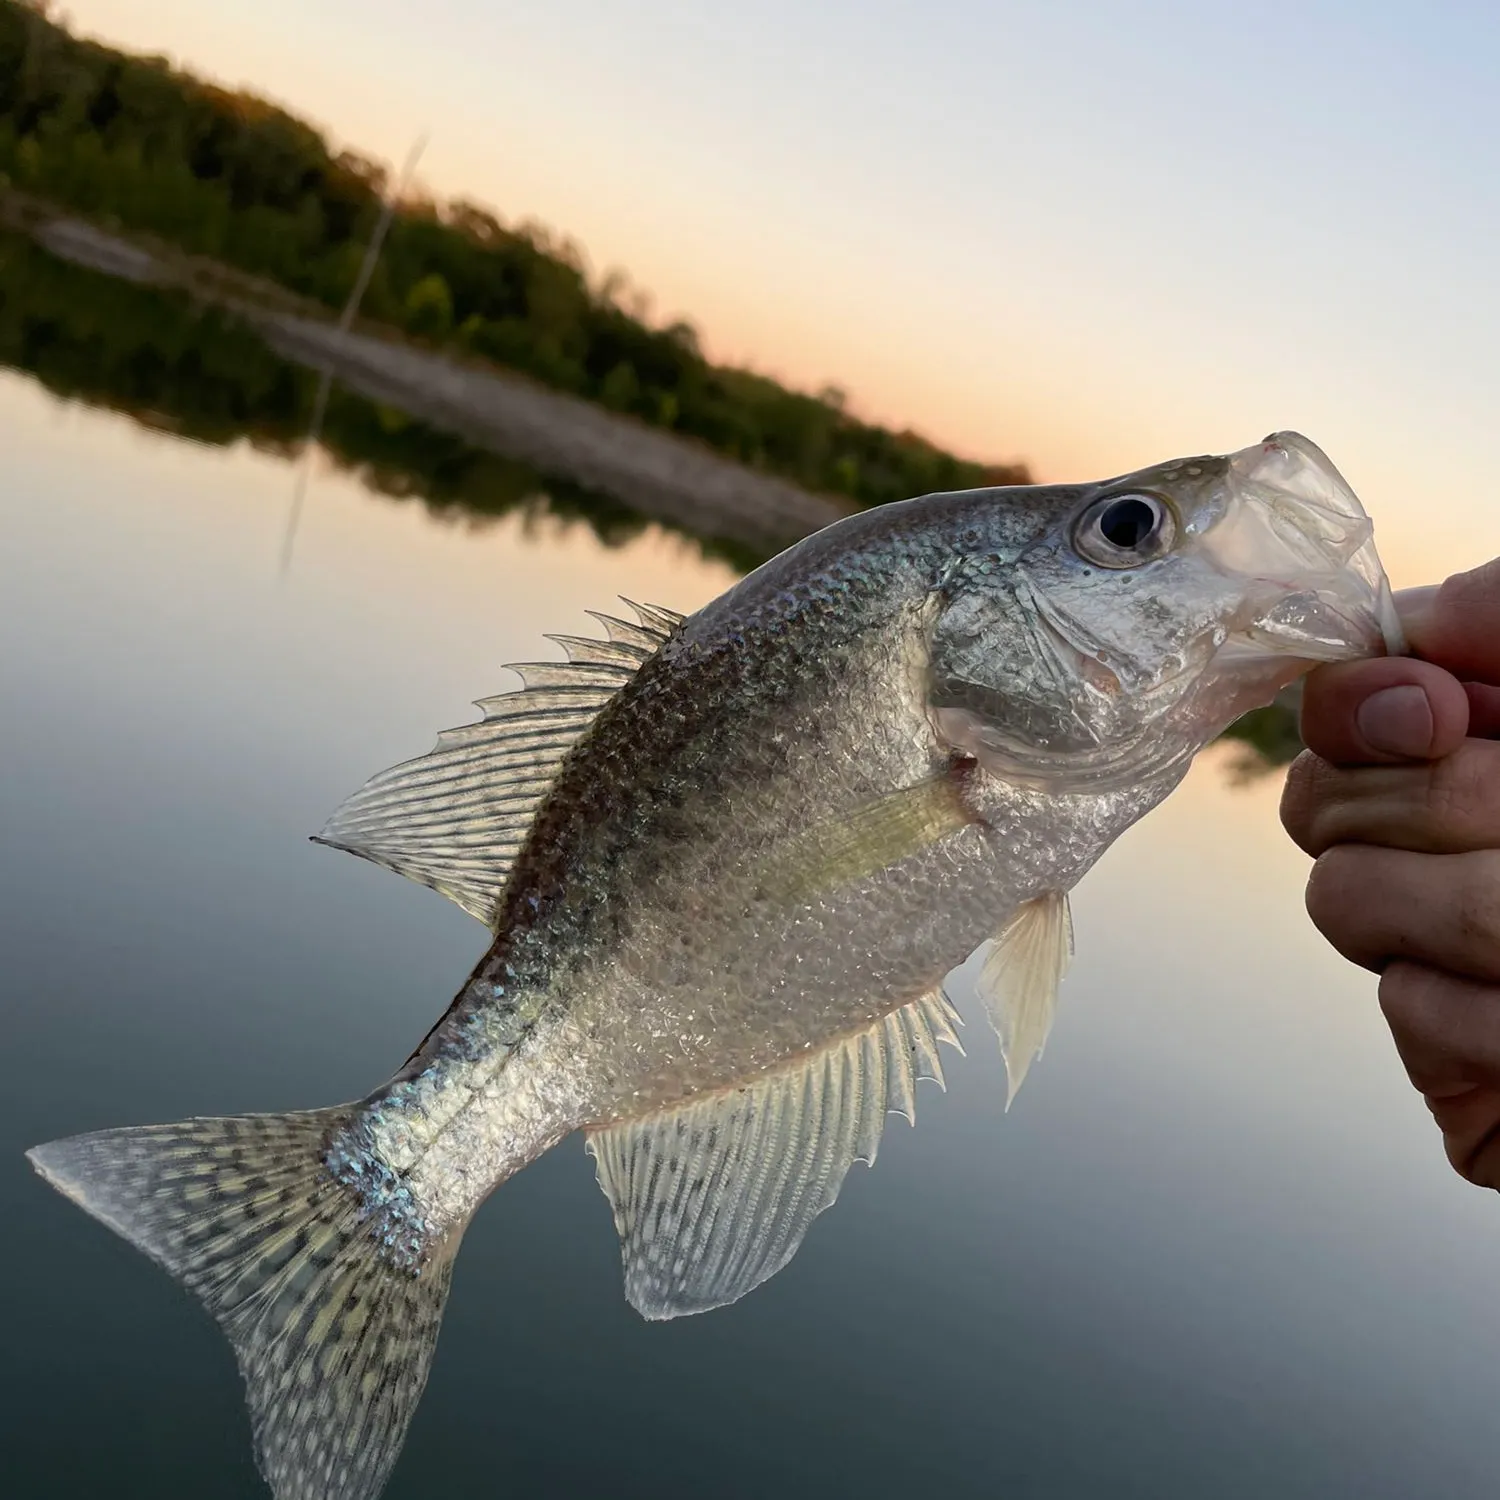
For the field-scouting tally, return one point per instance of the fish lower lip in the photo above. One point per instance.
(1310, 625)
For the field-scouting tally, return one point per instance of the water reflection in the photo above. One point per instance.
(1211, 1251)
(199, 372)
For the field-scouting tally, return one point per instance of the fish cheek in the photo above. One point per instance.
(996, 675)
(977, 721)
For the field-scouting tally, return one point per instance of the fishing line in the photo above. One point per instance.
(325, 368)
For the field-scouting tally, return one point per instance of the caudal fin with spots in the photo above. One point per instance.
(333, 1339)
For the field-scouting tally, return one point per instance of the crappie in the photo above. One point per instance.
(728, 861)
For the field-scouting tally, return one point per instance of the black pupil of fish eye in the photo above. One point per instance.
(1128, 522)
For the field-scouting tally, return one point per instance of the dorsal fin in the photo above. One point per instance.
(455, 818)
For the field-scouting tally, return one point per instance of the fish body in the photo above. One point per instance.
(680, 918)
(728, 861)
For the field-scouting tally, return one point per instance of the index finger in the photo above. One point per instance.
(1456, 626)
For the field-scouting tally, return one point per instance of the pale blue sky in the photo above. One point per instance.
(1087, 234)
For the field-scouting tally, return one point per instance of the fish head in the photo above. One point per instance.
(1151, 611)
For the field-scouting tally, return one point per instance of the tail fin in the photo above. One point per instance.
(333, 1341)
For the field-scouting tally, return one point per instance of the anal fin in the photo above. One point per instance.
(714, 1196)
(1019, 981)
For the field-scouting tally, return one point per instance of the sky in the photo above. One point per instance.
(1090, 235)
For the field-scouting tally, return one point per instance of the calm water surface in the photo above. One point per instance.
(1212, 1251)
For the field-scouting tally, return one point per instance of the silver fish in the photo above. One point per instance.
(728, 861)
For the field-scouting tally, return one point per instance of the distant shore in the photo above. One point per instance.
(660, 475)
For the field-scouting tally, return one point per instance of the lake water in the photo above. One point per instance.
(1213, 1250)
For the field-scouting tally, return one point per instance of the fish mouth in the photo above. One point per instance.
(1296, 537)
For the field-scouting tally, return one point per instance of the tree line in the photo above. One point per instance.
(137, 144)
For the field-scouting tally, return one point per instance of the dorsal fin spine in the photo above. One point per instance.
(454, 819)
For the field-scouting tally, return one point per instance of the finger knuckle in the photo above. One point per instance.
(1297, 795)
(1477, 913)
(1310, 799)
(1463, 591)
(1464, 1158)
(1462, 788)
(1466, 611)
(1331, 895)
(1475, 1156)
(1405, 992)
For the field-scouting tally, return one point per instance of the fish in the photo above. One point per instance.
(729, 862)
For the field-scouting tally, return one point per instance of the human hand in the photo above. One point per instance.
(1397, 798)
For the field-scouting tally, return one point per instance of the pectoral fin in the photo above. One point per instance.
(713, 1197)
(845, 850)
(1020, 978)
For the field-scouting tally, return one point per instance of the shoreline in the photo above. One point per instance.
(662, 476)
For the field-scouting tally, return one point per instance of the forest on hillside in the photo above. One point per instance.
(140, 146)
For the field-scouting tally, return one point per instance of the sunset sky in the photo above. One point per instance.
(1090, 235)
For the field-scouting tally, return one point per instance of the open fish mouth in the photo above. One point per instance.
(1296, 533)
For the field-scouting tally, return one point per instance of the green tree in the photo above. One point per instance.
(621, 388)
(429, 308)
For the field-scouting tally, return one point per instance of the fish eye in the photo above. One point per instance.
(1124, 531)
